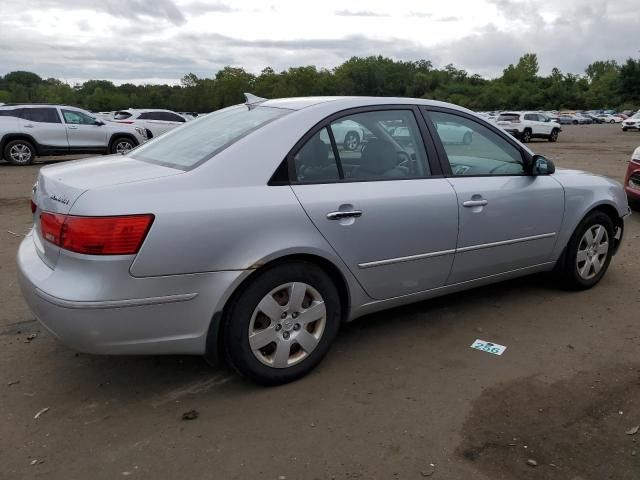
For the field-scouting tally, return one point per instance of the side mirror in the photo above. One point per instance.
(99, 123)
(542, 166)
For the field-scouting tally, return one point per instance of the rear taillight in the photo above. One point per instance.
(34, 207)
(96, 235)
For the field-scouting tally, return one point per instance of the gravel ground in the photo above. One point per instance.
(401, 395)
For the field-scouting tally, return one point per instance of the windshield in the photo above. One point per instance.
(636, 116)
(188, 146)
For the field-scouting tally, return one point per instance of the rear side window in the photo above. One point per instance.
(199, 140)
(376, 145)
(122, 115)
(12, 112)
(508, 117)
(171, 117)
(531, 116)
(41, 115)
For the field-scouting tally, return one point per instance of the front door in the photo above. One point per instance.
(393, 224)
(509, 220)
(83, 132)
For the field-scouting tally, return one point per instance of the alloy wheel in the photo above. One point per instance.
(351, 142)
(287, 325)
(123, 147)
(592, 251)
(20, 153)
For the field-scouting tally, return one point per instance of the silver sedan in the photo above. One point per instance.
(251, 234)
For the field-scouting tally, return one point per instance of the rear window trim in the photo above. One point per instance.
(208, 157)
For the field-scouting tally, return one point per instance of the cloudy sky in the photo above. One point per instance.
(150, 41)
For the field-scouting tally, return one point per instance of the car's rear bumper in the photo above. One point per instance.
(159, 315)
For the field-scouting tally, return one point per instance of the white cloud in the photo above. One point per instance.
(161, 40)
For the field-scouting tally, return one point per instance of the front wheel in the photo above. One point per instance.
(351, 141)
(19, 152)
(553, 137)
(122, 145)
(612, 122)
(282, 324)
(588, 253)
(526, 136)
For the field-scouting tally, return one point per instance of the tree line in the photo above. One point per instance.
(604, 84)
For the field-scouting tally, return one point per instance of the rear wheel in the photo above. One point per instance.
(122, 145)
(624, 129)
(526, 136)
(612, 121)
(19, 152)
(588, 254)
(282, 324)
(553, 137)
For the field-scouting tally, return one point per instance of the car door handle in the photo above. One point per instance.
(347, 214)
(475, 203)
(28, 125)
(72, 127)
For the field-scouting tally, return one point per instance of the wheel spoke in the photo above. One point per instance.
(603, 248)
(270, 308)
(313, 313)
(586, 268)
(262, 338)
(306, 340)
(281, 355)
(582, 255)
(597, 264)
(588, 236)
(599, 234)
(296, 296)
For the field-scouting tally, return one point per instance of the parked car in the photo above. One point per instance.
(631, 123)
(156, 122)
(528, 125)
(567, 119)
(621, 115)
(606, 118)
(349, 135)
(28, 131)
(249, 234)
(632, 180)
(594, 118)
(584, 119)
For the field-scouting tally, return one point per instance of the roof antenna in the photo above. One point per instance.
(252, 100)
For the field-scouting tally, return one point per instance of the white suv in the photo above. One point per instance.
(528, 125)
(27, 131)
(156, 122)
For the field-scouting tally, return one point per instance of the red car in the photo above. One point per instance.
(632, 180)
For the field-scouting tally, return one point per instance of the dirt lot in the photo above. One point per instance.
(401, 395)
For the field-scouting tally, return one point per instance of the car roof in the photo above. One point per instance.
(341, 103)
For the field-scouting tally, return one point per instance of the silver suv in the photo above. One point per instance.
(27, 131)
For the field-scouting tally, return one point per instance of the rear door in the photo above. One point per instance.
(384, 206)
(160, 122)
(44, 125)
(509, 219)
(83, 132)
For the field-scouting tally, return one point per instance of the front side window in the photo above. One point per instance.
(41, 115)
(473, 149)
(200, 139)
(74, 117)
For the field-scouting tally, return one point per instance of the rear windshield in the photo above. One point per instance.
(507, 117)
(190, 145)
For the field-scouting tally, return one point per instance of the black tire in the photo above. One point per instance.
(19, 152)
(612, 122)
(634, 204)
(118, 145)
(575, 122)
(467, 138)
(526, 136)
(351, 141)
(553, 137)
(567, 267)
(239, 318)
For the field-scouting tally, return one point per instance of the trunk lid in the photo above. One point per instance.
(59, 186)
